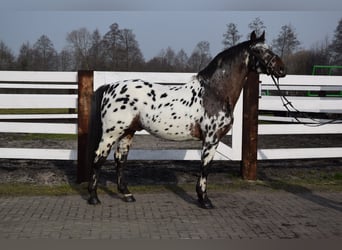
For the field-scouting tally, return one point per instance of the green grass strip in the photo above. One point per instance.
(22, 189)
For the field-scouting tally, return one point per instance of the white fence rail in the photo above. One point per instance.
(36, 81)
(68, 81)
(304, 104)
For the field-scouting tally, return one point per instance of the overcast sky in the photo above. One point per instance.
(159, 24)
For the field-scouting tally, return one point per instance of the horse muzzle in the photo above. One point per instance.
(276, 67)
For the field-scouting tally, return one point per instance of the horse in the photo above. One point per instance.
(201, 109)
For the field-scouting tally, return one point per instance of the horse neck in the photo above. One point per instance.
(227, 83)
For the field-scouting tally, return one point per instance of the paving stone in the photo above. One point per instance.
(166, 215)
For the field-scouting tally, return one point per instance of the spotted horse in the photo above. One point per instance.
(202, 109)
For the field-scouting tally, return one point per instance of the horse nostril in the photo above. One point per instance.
(282, 72)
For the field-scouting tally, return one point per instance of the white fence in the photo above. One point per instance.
(304, 104)
(36, 81)
(68, 81)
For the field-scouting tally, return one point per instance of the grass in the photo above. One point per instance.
(48, 137)
(331, 184)
(33, 111)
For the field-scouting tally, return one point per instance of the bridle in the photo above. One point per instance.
(269, 66)
(258, 58)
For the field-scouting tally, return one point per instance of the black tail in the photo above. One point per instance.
(95, 125)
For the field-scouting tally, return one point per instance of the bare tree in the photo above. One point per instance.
(44, 54)
(200, 57)
(25, 57)
(6, 57)
(231, 36)
(65, 61)
(111, 43)
(80, 43)
(96, 52)
(170, 57)
(131, 54)
(162, 62)
(181, 61)
(336, 45)
(286, 43)
(257, 25)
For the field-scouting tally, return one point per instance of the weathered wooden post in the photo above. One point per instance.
(85, 91)
(250, 127)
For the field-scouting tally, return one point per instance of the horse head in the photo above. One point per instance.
(263, 59)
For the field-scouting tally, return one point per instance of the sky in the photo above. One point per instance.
(159, 24)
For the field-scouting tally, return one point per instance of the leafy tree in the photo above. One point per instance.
(231, 37)
(336, 45)
(257, 25)
(286, 43)
(6, 57)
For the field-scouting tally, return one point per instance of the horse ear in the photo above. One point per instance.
(262, 37)
(253, 36)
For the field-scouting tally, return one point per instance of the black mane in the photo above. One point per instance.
(227, 54)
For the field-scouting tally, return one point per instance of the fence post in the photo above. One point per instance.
(85, 91)
(250, 127)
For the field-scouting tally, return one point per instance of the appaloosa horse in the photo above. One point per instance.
(202, 109)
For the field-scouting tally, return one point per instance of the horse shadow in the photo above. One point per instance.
(168, 173)
(69, 172)
(299, 191)
(138, 174)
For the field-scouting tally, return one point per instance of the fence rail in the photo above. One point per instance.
(69, 80)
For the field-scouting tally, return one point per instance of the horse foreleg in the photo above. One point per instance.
(208, 153)
(121, 161)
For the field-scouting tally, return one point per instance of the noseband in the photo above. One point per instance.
(268, 64)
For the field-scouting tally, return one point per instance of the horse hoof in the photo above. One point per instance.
(205, 204)
(129, 198)
(94, 201)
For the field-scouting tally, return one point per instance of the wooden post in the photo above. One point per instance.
(85, 91)
(250, 127)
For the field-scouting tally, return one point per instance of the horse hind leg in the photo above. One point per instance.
(121, 161)
(99, 156)
(93, 183)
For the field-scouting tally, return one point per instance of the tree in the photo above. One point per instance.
(336, 45)
(80, 42)
(286, 43)
(44, 54)
(111, 43)
(257, 25)
(132, 57)
(163, 62)
(200, 56)
(65, 61)
(231, 37)
(170, 57)
(96, 52)
(181, 61)
(25, 57)
(6, 57)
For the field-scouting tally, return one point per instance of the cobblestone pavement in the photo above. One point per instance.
(174, 215)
